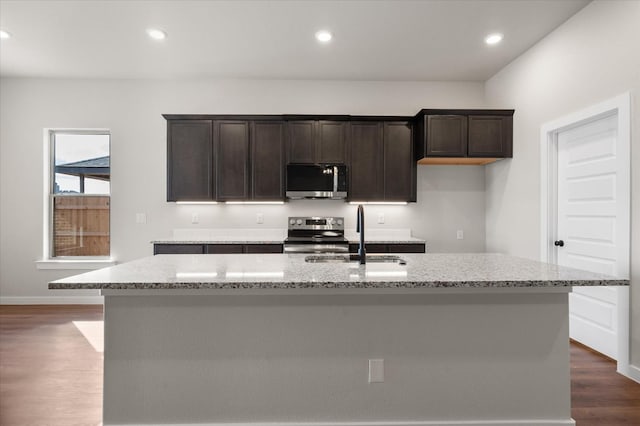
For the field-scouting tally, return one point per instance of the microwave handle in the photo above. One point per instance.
(335, 179)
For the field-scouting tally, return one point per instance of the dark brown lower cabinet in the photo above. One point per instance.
(390, 248)
(224, 248)
(263, 248)
(178, 249)
(216, 248)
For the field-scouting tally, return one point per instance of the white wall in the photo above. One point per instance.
(449, 197)
(594, 56)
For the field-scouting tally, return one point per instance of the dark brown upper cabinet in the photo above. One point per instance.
(225, 160)
(446, 135)
(382, 165)
(249, 160)
(267, 160)
(316, 141)
(231, 142)
(490, 136)
(190, 167)
(366, 171)
(463, 136)
(301, 146)
(399, 163)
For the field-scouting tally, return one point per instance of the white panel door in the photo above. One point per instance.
(587, 225)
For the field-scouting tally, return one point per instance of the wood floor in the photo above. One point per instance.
(50, 374)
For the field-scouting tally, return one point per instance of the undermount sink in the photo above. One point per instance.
(343, 258)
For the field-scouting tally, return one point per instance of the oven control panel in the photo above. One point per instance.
(316, 222)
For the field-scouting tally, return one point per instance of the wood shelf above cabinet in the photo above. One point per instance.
(457, 161)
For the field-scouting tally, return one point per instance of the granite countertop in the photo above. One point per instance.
(290, 271)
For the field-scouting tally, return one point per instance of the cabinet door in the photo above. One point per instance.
(446, 135)
(301, 147)
(399, 164)
(366, 172)
(232, 160)
(267, 160)
(490, 136)
(190, 174)
(330, 142)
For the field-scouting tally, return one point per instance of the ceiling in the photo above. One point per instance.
(429, 40)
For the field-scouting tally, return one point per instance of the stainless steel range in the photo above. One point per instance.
(316, 235)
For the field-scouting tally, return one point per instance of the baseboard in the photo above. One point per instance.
(53, 300)
(633, 373)
(569, 422)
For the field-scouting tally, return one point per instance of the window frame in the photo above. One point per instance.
(68, 262)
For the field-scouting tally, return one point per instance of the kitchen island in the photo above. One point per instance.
(465, 339)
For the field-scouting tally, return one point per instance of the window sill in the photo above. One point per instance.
(75, 264)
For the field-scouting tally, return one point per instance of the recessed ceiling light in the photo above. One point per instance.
(4, 35)
(324, 36)
(494, 38)
(156, 34)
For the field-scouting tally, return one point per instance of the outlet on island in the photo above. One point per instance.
(259, 218)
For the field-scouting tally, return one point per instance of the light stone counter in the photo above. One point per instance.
(290, 271)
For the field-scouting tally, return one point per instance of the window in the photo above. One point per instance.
(79, 194)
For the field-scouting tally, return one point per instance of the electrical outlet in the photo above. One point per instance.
(460, 234)
(259, 218)
(141, 218)
(376, 370)
(195, 218)
(380, 217)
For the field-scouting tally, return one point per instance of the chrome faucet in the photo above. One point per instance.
(362, 252)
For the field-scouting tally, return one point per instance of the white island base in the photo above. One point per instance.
(451, 357)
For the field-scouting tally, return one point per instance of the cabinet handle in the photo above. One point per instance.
(559, 243)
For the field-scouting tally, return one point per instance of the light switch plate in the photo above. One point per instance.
(141, 218)
(460, 234)
(195, 218)
(380, 217)
(259, 218)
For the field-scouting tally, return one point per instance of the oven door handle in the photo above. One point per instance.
(335, 180)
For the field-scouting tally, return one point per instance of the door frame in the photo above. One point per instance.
(620, 105)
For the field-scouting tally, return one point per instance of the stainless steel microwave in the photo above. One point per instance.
(316, 181)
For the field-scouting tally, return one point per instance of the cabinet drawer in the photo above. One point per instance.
(224, 248)
(371, 248)
(178, 249)
(263, 248)
(406, 248)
